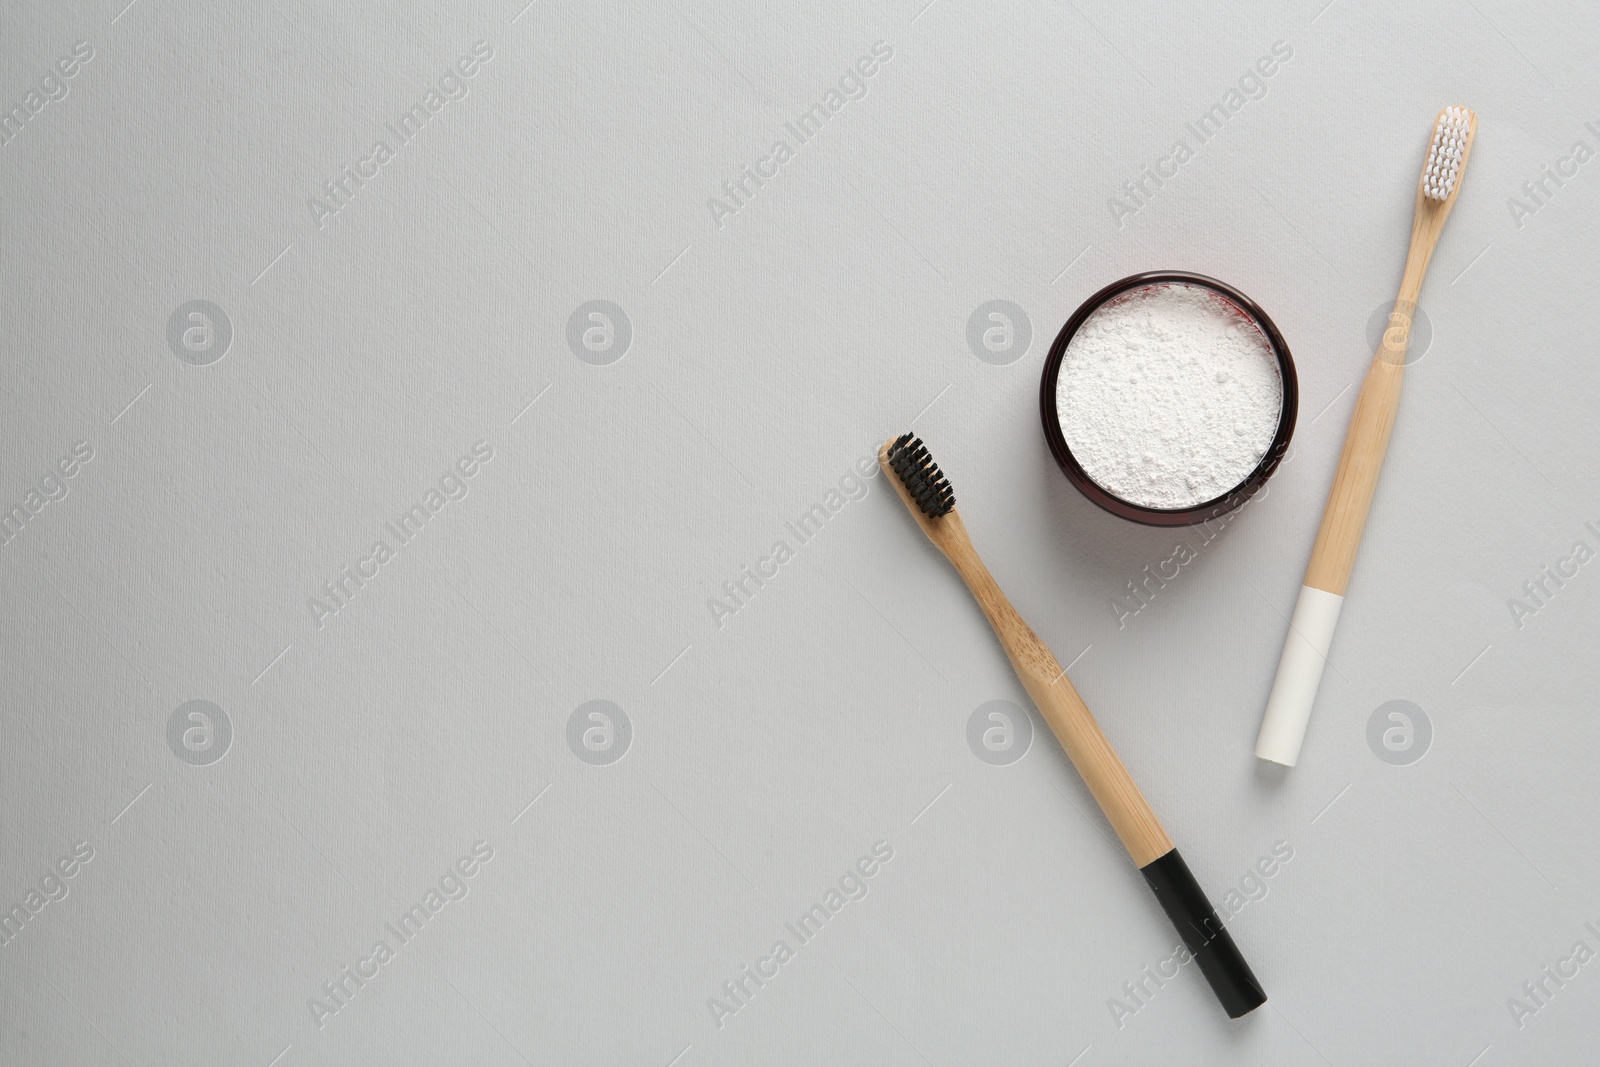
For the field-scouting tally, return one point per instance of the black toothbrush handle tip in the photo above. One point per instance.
(1207, 940)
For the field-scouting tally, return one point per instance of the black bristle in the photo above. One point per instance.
(921, 476)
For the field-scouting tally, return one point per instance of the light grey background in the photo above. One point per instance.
(768, 354)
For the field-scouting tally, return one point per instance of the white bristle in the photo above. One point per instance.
(1444, 153)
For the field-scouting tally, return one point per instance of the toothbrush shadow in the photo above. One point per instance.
(1269, 776)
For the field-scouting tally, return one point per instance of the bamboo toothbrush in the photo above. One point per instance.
(931, 501)
(1316, 612)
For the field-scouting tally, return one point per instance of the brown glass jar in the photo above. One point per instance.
(1187, 516)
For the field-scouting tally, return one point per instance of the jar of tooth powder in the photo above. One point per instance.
(1168, 398)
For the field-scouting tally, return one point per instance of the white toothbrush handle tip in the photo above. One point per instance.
(1305, 653)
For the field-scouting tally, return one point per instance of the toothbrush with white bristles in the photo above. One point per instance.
(1305, 650)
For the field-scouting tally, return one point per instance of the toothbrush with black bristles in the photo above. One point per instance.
(931, 501)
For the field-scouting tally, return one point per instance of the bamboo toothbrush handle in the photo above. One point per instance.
(1344, 518)
(1316, 611)
(1097, 763)
(1152, 851)
(1069, 717)
(1366, 442)
(1354, 483)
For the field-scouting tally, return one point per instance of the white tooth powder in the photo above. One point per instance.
(1169, 395)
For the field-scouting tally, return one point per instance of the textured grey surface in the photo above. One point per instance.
(364, 752)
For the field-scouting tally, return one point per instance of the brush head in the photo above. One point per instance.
(1447, 154)
(924, 482)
